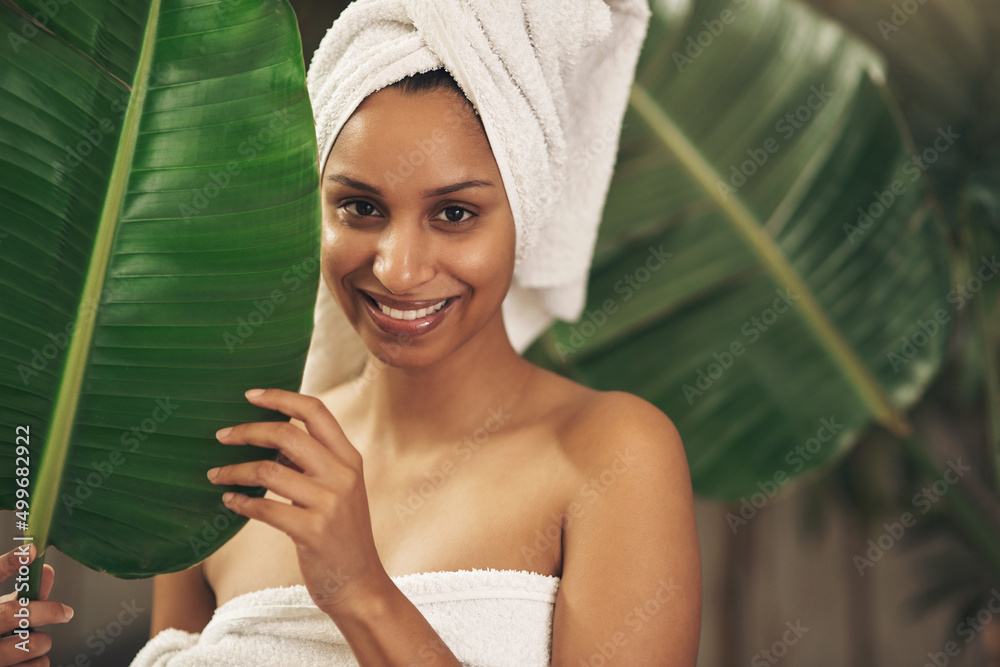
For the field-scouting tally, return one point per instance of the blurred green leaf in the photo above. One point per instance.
(759, 135)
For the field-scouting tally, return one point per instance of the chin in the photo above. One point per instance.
(402, 354)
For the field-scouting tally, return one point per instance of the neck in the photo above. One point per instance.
(420, 409)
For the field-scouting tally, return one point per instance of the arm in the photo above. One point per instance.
(389, 630)
(327, 517)
(631, 585)
(181, 600)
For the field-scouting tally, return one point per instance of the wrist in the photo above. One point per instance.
(364, 603)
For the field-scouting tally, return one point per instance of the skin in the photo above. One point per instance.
(40, 612)
(573, 482)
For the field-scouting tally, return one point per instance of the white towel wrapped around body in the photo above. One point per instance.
(488, 618)
(550, 80)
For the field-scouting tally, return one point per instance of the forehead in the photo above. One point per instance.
(428, 135)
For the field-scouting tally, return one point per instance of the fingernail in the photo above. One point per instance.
(67, 612)
(213, 473)
(253, 393)
(223, 432)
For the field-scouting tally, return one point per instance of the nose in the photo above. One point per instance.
(403, 260)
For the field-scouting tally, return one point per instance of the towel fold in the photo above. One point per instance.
(550, 80)
(488, 618)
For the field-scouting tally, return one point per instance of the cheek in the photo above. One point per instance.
(487, 266)
(341, 254)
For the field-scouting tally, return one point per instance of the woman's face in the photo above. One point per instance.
(418, 236)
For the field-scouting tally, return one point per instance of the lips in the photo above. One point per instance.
(406, 317)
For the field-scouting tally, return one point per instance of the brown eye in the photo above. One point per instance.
(360, 208)
(455, 214)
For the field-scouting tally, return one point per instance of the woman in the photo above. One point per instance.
(367, 444)
(450, 454)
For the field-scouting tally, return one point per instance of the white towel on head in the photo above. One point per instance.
(550, 80)
(487, 618)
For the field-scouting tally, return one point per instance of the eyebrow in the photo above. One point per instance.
(434, 192)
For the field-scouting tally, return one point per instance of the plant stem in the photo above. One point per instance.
(35, 577)
(773, 260)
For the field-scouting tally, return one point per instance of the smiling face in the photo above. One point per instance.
(418, 236)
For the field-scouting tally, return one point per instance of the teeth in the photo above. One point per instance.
(410, 314)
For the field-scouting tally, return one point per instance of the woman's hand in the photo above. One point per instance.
(328, 519)
(40, 612)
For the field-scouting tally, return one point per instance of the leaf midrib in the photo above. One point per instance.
(772, 259)
(56, 450)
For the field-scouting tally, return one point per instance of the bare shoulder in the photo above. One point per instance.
(629, 535)
(618, 416)
(610, 433)
(623, 439)
(595, 426)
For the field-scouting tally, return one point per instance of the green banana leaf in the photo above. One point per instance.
(160, 212)
(769, 270)
(941, 68)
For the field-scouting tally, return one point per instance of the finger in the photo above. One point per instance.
(48, 577)
(14, 559)
(43, 661)
(44, 589)
(287, 483)
(40, 612)
(294, 521)
(314, 414)
(38, 645)
(297, 445)
(285, 461)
